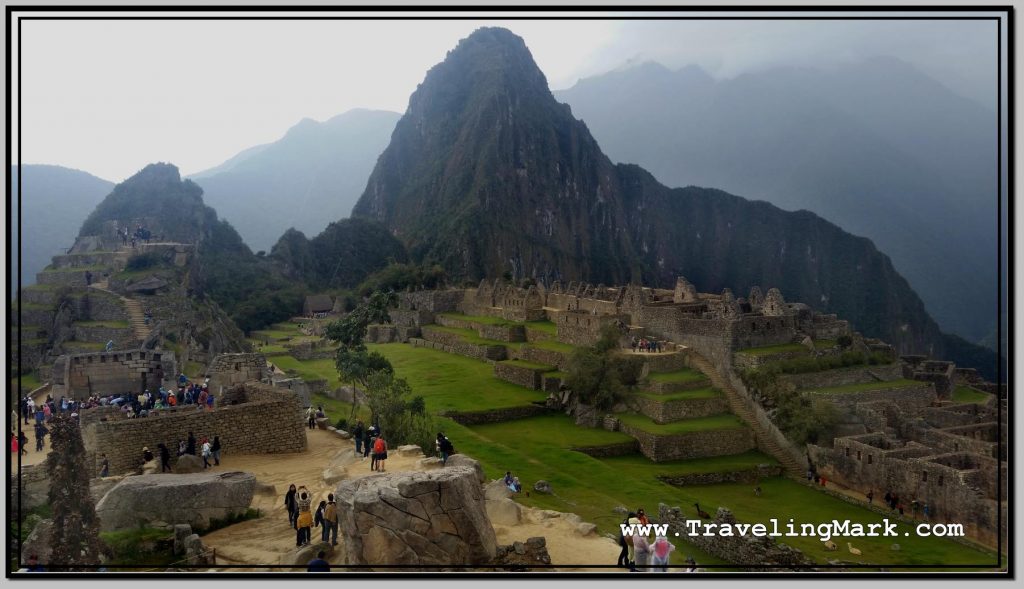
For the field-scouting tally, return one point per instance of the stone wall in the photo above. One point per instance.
(582, 329)
(844, 376)
(82, 375)
(662, 411)
(541, 356)
(227, 370)
(751, 551)
(609, 450)
(268, 422)
(453, 344)
(69, 277)
(906, 397)
(746, 476)
(518, 375)
(663, 362)
(497, 415)
(700, 444)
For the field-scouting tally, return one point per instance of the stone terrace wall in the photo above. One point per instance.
(668, 411)
(906, 397)
(701, 444)
(844, 376)
(749, 550)
(746, 476)
(96, 305)
(114, 372)
(497, 415)
(518, 375)
(461, 348)
(541, 356)
(609, 450)
(269, 422)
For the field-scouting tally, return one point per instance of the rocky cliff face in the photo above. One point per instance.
(487, 173)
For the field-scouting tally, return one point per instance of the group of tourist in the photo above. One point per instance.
(370, 442)
(298, 502)
(314, 414)
(639, 554)
(140, 234)
(644, 344)
(893, 501)
(512, 482)
(208, 449)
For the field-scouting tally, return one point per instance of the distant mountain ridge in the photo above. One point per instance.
(307, 179)
(877, 147)
(55, 200)
(487, 173)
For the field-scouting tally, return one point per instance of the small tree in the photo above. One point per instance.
(599, 374)
(401, 415)
(76, 539)
(354, 362)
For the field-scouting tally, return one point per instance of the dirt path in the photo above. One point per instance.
(266, 539)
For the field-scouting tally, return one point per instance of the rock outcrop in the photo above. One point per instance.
(164, 500)
(188, 464)
(432, 519)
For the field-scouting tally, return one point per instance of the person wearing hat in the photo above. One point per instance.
(146, 454)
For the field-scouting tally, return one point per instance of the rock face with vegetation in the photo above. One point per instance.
(487, 173)
(165, 500)
(74, 534)
(419, 518)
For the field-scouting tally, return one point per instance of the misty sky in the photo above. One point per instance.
(109, 97)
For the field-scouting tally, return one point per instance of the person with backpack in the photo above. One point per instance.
(380, 453)
(304, 521)
(331, 520)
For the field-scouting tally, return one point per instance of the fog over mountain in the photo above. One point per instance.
(307, 179)
(877, 147)
(56, 201)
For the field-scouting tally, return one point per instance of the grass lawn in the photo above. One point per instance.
(549, 431)
(637, 465)
(454, 383)
(85, 346)
(868, 386)
(274, 334)
(962, 394)
(110, 324)
(552, 346)
(700, 424)
(530, 365)
(29, 382)
(469, 336)
(557, 374)
(704, 393)
(311, 369)
(591, 487)
(685, 375)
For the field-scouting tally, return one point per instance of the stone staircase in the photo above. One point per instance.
(739, 407)
(136, 315)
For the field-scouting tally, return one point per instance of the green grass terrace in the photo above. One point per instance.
(964, 394)
(901, 383)
(722, 421)
(454, 383)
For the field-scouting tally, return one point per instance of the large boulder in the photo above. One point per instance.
(163, 500)
(410, 450)
(38, 542)
(497, 490)
(302, 556)
(322, 422)
(187, 464)
(504, 512)
(457, 460)
(417, 518)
